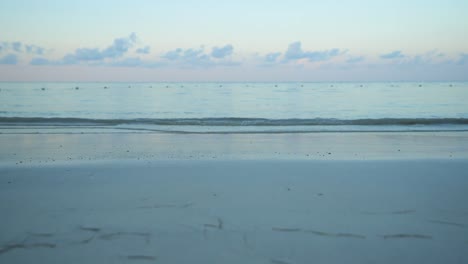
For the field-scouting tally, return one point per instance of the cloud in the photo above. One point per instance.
(19, 47)
(83, 54)
(114, 56)
(144, 50)
(10, 59)
(33, 49)
(222, 52)
(41, 61)
(120, 46)
(272, 57)
(132, 62)
(185, 55)
(432, 57)
(269, 60)
(429, 57)
(295, 52)
(194, 57)
(393, 55)
(116, 50)
(172, 55)
(198, 57)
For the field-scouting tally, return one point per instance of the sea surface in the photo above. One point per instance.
(208, 107)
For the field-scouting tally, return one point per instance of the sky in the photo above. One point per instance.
(208, 40)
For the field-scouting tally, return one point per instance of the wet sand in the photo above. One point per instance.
(34, 149)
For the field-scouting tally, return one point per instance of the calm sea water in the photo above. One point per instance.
(235, 107)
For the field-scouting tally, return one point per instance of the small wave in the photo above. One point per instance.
(232, 121)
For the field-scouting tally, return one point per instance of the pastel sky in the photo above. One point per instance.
(243, 40)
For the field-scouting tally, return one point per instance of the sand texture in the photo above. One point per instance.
(236, 211)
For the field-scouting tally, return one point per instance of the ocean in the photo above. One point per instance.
(213, 107)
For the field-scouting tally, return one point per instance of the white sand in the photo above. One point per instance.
(247, 208)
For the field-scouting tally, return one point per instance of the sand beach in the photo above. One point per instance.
(154, 198)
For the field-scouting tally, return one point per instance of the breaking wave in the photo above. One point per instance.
(231, 121)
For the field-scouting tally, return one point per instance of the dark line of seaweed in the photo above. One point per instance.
(91, 229)
(282, 229)
(447, 223)
(141, 257)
